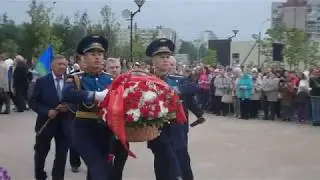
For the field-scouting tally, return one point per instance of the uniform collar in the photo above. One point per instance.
(161, 76)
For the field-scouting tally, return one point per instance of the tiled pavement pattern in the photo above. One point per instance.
(222, 149)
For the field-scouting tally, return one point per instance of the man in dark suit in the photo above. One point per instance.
(46, 102)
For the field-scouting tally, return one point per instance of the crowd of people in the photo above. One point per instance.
(247, 93)
(15, 78)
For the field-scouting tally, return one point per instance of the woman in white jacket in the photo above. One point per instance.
(304, 82)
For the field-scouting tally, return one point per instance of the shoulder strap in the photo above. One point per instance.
(77, 81)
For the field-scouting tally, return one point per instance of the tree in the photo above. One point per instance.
(203, 51)
(211, 57)
(9, 46)
(62, 29)
(296, 45)
(275, 34)
(9, 34)
(313, 53)
(123, 51)
(40, 29)
(155, 35)
(110, 28)
(138, 49)
(190, 49)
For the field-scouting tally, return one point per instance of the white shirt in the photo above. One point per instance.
(4, 81)
(61, 81)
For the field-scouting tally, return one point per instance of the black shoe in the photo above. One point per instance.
(75, 169)
(198, 121)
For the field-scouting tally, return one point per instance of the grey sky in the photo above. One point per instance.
(187, 17)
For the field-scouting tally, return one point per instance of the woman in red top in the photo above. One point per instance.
(204, 85)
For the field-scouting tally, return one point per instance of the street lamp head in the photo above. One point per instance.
(235, 32)
(139, 2)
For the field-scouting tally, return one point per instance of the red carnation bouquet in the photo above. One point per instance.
(137, 105)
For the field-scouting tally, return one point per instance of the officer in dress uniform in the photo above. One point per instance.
(166, 163)
(179, 132)
(91, 136)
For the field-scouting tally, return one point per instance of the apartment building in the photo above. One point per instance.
(301, 14)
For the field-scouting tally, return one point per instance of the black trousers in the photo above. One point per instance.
(254, 108)
(74, 158)
(119, 161)
(54, 130)
(245, 105)
(214, 104)
(166, 163)
(5, 100)
(222, 108)
(20, 99)
(269, 109)
(278, 109)
(203, 98)
(185, 164)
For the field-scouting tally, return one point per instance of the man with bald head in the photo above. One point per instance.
(20, 83)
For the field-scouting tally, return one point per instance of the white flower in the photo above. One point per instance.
(148, 96)
(129, 90)
(135, 114)
(163, 110)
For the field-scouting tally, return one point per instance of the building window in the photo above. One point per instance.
(235, 55)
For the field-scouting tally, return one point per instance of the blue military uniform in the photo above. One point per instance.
(91, 137)
(166, 163)
(179, 132)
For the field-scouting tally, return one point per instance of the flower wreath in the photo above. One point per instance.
(136, 100)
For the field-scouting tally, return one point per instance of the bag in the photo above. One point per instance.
(227, 98)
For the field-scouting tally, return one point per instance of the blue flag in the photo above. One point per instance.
(43, 65)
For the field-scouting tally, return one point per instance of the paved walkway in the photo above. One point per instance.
(222, 149)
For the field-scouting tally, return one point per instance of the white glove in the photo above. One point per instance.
(99, 96)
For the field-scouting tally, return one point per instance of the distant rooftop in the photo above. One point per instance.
(295, 3)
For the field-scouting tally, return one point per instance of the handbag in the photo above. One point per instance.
(227, 98)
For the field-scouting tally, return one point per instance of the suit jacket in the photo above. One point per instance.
(44, 98)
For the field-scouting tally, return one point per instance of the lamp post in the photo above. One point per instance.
(258, 37)
(127, 14)
(235, 32)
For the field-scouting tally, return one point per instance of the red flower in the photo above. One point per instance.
(129, 118)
